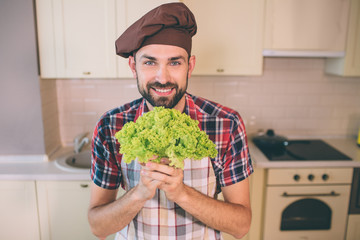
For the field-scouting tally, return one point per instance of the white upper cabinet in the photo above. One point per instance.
(306, 25)
(76, 38)
(350, 64)
(127, 12)
(229, 38)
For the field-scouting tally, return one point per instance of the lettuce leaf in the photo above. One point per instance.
(166, 133)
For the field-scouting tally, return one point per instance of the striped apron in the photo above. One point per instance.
(164, 219)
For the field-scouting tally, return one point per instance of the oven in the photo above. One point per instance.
(307, 203)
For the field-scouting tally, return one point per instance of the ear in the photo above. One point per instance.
(132, 65)
(192, 61)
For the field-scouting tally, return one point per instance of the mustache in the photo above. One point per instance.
(159, 85)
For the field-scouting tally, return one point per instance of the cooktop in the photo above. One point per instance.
(304, 150)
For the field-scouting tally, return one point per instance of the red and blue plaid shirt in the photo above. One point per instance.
(224, 127)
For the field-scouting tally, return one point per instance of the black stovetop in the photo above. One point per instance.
(305, 150)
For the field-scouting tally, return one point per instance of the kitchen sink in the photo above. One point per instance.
(75, 162)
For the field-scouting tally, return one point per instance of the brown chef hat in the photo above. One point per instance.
(169, 24)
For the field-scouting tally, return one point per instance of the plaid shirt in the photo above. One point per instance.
(223, 126)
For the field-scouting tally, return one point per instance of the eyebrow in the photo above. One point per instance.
(177, 58)
(170, 59)
(147, 57)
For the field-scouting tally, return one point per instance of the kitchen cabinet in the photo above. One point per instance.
(229, 38)
(315, 26)
(257, 195)
(76, 38)
(353, 230)
(19, 217)
(63, 207)
(127, 12)
(350, 64)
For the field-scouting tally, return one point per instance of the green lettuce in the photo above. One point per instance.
(166, 133)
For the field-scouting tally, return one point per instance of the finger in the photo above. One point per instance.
(165, 169)
(147, 187)
(165, 161)
(164, 178)
(149, 181)
(158, 176)
(153, 157)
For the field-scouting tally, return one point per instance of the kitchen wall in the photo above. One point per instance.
(21, 127)
(49, 106)
(293, 96)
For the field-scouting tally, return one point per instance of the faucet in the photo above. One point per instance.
(80, 141)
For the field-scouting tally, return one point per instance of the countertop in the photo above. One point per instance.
(42, 170)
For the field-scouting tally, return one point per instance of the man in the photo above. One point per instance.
(162, 202)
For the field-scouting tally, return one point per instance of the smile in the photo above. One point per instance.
(163, 90)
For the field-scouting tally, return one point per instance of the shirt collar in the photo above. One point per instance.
(190, 107)
(141, 109)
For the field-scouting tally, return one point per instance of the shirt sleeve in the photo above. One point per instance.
(237, 164)
(105, 170)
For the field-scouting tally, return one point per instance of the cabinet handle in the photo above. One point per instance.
(84, 185)
(86, 73)
(220, 70)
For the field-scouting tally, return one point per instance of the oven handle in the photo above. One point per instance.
(331, 194)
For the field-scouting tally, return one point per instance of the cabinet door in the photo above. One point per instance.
(353, 230)
(319, 25)
(63, 210)
(63, 207)
(127, 12)
(229, 38)
(19, 217)
(76, 38)
(350, 64)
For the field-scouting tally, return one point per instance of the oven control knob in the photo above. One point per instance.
(325, 177)
(296, 177)
(311, 177)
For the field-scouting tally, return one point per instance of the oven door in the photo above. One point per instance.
(306, 212)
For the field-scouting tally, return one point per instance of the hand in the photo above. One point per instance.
(170, 179)
(147, 186)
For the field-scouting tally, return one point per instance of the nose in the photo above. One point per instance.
(162, 75)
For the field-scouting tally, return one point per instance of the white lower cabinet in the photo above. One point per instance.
(353, 230)
(63, 207)
(18, 218)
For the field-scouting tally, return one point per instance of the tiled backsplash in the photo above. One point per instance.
(50, 115)
(293, 96)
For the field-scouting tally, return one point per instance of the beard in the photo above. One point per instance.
(168, 101)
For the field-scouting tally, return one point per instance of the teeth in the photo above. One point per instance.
(163, 90)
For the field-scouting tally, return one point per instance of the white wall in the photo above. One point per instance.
(21, 128)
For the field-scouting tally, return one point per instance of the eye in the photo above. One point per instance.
(175, 63)
(149, 63)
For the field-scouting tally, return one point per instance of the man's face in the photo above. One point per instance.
(162, 73)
